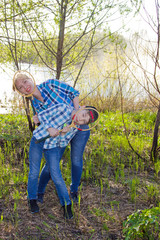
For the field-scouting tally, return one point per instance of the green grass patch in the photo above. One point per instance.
(110, 166)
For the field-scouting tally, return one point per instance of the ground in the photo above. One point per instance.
(99, 215)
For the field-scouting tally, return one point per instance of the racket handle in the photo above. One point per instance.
(63, 126)
(42, 139)
(34, 111)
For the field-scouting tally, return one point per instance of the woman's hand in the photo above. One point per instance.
(35, 119)
(53, 132)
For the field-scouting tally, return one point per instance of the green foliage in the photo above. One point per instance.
(133, 185)
(13, 127)
(157, 168)
(143, 225)
(109, 163)
(108, 137)
(153, 193)
(102, 213)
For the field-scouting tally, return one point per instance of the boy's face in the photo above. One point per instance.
(82, 117)
(25, 86)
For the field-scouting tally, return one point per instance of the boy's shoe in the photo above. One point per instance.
(40, 197)
(74, 196)
(33, 206)
(68, 211)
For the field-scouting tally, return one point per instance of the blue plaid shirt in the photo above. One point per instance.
(55, 117)
(54, 92)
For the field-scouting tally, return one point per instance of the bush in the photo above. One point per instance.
(143, 225)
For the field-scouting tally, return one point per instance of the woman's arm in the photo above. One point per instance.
(76, 103)
(63, 89)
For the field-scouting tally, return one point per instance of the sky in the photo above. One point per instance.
(139, 22)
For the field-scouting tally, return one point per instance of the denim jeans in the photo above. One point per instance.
(53, 157)
(78, 144)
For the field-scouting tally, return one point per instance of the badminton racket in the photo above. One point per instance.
(29, 85)
(28, 81)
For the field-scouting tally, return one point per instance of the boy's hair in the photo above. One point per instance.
(19, 76)
(92, 113)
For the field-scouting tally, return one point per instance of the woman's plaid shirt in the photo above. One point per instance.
(54, 92)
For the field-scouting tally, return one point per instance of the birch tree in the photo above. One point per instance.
(73, 26)
(145, 61)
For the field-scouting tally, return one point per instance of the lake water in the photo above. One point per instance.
(6, 80)
(41, 74)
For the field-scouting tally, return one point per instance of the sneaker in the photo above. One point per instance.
(40, 197)
(74, 196)
(68, 212)
(33, 206)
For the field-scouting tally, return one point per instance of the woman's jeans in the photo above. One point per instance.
(52, 167)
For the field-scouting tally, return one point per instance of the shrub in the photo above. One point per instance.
(143, 224)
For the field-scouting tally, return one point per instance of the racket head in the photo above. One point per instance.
(93, 115)
(23, 74)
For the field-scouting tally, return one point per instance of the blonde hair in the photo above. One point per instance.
(19, 76)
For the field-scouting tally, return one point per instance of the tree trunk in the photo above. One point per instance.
(153, 155)
(59, 59)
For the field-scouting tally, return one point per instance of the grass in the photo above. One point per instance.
(115, 181)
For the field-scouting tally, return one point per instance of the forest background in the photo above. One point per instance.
(75, 42)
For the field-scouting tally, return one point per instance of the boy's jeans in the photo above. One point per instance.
(53, 157)
(78, 144)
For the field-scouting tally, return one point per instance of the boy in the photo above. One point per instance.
(53, 119)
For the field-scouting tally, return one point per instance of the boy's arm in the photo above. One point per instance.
(53, 132)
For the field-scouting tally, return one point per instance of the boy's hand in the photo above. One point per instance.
(65, 130)
(82, 107)
(35, 119)
(53, 132)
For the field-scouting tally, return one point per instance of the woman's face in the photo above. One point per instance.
(25, 86)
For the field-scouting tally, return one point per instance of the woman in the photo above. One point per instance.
(45, 95)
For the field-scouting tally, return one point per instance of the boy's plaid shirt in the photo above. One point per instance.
(54, 92)
(55, 117)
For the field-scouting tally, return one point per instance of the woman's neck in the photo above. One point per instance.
(37, 94)
(73, 113)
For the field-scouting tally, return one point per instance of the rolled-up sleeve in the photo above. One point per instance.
(64, 89)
